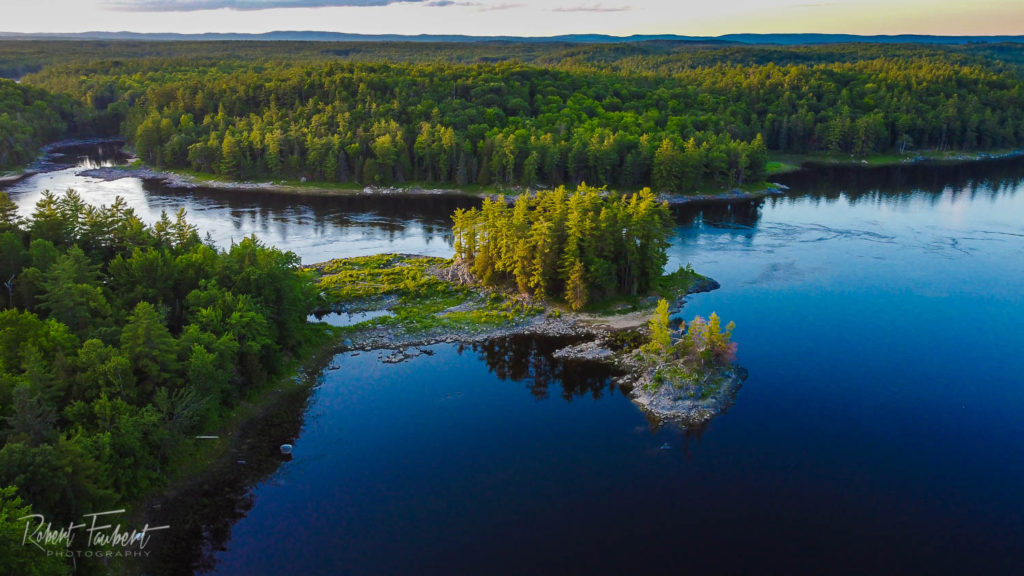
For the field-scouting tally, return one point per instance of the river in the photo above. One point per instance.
(878, 314)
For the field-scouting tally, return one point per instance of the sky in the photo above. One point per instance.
(520, 17)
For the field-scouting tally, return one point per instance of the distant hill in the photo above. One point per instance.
(779, 39)
(346, 37)
(795, 39)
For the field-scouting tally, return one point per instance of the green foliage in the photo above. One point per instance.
(667, 115)
(15, 556)
(30, 117)
(372, 277)
(577, 245)
(119, 341)
(661, 335)
(690, 354)
(418, 300)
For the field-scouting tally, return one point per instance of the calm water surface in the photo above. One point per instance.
(879, 317)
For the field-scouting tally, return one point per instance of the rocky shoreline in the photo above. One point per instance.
(51, 159)
(593, 337)
(665, 402)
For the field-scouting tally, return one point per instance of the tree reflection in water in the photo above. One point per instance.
(528, 359)
(203, 511)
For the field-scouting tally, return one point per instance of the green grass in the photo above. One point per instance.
(781, 163)
(419, 301)
(776, 167)
(370, 277)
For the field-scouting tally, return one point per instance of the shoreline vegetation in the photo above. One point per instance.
(122, 344)
(430, 301)
(582, 265)
(433, 301)
(451, 117)
(778, 164)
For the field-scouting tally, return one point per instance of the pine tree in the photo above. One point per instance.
(661, 334)
(148, 344)
(230, 162)
(576, 287)
(9, 218)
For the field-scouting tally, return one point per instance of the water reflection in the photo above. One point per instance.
(315, 228)
(901, 183)
(321, 228)
(201, 514)
(528, 359)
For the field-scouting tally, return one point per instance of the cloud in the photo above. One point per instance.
(593, 8)
(443, 3)
(192, 5)
(502, 6)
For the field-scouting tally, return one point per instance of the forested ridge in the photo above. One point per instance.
(676, 118)
(119, 342)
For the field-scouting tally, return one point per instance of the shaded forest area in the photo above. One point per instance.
(676, 117)
(119, 342)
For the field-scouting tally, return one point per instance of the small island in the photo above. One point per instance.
(586, 264)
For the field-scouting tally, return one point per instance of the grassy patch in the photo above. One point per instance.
(775, 167)
(369, 277)
(675, 285)
(781, 163)
(419, 300)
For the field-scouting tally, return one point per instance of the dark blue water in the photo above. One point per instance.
(879, 315)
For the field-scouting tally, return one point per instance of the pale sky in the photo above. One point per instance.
(519, 17)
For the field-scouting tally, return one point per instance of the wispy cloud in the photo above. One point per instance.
(193, 5)
(443, 3)
(592, 8)
(502, 6)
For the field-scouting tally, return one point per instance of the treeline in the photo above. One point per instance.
(513, 124)
(384, 124)
(672, 117)
(119, 342)
(29, 118)
(21, 57)
(580, 246)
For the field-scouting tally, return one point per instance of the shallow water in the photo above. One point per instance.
(878, 314)
(342, 319)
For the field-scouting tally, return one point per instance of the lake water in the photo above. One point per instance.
(878, 313)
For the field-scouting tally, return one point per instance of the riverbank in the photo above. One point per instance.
(228, 460)
(52, 157)
(186, 181)
(786, 163)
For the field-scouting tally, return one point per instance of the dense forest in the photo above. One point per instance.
(31, 117)
(673, 117)
(119, 342)
(579, 245)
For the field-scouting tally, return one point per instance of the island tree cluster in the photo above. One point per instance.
(119, 342)
(700, 345)
(577, 245)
